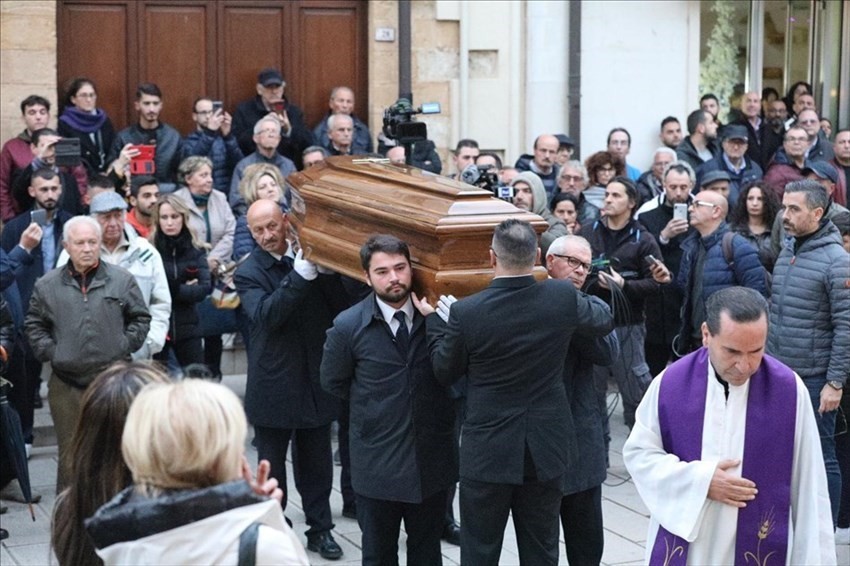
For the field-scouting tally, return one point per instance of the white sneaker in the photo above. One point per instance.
(842, 536)
(28, 448)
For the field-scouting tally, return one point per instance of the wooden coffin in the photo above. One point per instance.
(447, 224)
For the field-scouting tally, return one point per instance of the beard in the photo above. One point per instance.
(394, 294)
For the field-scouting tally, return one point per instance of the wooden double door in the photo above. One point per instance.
(214, 48)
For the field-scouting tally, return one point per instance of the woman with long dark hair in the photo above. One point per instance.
(185, 260)
(98, 471)
(81, 118)
(212, 220)
(753, 218)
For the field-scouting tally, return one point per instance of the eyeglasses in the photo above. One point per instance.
(85, 95)
(573, 262)
(703, 203)
(575, 178)
(204, 112)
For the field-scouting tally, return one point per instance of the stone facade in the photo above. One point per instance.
(27, 58)
(434, 64)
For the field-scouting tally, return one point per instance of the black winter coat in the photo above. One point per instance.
(401, 419)
(289, 316)
(250, 111)
(183, 262)
(626, 250)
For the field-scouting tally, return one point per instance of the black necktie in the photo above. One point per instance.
(402, 335)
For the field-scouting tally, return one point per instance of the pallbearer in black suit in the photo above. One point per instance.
(403, 454)
(518, 435)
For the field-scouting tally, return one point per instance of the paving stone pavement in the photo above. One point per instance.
(625, 515)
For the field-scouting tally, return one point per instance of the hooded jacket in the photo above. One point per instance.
(199, 526)
(540, 207)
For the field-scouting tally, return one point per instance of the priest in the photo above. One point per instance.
(725, 451)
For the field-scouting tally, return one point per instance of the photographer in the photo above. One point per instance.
(620, 247)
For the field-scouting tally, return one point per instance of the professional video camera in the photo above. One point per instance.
(487, 177)
(400, 125)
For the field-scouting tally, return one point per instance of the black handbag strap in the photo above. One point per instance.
(248, 545)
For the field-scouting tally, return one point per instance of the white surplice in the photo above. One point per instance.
(676, 492)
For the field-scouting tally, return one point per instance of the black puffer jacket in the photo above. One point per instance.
(183, 262)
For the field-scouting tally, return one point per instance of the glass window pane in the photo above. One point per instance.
(724, 28)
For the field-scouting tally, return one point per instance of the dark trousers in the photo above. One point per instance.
(344, 457)
(312, 465)
(657, 356)
(213, 348)
(380, 520)
(24, 372)
(484, 509)
(459, 405)
(189, 351)
(842, 450)
(581, 518)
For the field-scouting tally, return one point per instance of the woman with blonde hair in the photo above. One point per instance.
(98, 471)
(191, 501)
(185, 260)
(260, 181)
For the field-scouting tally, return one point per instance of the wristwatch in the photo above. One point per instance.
(835, 384)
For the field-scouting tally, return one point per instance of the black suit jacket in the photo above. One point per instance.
(401, 420)
(511, 340)
(289, 316)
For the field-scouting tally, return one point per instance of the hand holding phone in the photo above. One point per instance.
(39, 216)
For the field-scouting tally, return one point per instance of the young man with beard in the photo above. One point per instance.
(41, 251)
(150, 131)
(403, 453)
(143, 194)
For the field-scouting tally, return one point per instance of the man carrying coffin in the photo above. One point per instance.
(725, 451)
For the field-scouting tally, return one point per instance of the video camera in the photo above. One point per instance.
(487, 177)
(400, 125)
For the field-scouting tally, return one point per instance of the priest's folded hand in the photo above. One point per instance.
(730, 489)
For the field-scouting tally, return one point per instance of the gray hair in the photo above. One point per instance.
(314, 148)
(560, 244)
(816, 196)
(332, 119)
(258, 127)
(665, 150)
(680, 167)
(78, 220)
(336, 89)
(578, 166)
(190, 165)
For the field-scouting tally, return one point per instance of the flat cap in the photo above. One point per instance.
(713, 177)
(107, 201)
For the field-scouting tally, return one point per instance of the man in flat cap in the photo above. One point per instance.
(271, 101)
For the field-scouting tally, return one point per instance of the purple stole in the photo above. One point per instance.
(762, 534)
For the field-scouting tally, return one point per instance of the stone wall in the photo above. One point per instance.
(434, 64)
(27, 58)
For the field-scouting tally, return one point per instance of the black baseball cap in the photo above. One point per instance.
(734, 132)
(269, 77)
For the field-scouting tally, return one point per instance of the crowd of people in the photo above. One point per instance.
(727, 258)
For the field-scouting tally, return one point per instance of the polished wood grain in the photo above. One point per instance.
(447, 224)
